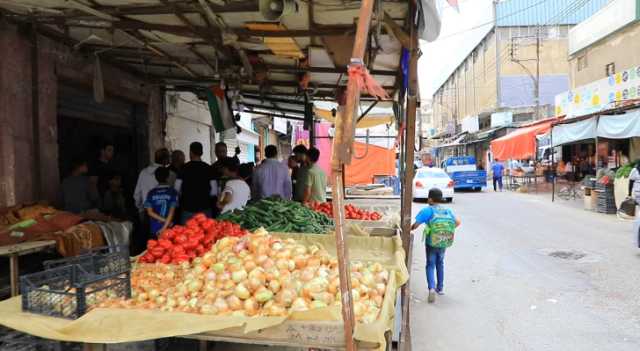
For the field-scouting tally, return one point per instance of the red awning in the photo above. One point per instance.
(521, 143)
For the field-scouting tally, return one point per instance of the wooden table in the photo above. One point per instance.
(17, 250)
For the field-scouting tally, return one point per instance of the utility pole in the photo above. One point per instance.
(495, 34)
(534, 78)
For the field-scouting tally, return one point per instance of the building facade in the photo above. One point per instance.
(499, 73)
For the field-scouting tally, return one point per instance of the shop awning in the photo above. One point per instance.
(573, 132)
(521, 143)
(619, 126)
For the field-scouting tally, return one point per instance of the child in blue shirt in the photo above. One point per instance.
(438, 235)
(161, 202)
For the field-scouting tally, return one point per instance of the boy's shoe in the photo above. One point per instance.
(432, 296)
(440, 292)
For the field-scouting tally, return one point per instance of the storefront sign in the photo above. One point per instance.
(599, 95)
(280, 125)
(470, 124)
(499, 119)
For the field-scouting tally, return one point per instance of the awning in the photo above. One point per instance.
(457, 141)
(519, 144)
(573, 132)
(368, 121)
(619, 126)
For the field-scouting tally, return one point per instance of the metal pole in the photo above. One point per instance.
(497, 53)
(537, 87)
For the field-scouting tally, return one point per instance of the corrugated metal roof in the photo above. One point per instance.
(550, 12)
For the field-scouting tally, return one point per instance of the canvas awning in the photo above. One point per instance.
(619, 126)
(573, 132)
(521, 143)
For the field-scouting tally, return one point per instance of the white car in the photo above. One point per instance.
(428, 178)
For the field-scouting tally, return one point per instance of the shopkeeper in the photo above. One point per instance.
(75, 195)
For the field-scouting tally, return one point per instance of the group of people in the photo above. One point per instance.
(169, 193)
(172, 190)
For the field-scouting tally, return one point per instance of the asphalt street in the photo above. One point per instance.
(528, 274)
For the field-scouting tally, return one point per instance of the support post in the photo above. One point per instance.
(553, 168)
(407, 182)
(35, 113)
(342, 152)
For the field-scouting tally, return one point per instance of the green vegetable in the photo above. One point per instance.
(277, 215)
(624, 171)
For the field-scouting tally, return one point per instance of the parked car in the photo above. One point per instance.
(427, 178)
(465, 174)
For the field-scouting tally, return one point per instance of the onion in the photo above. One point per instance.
(221, 305)
(300, 261)
(153, 294)
(274, 285)
(239, 276)
(223, 277)
(250, 307)
(196, 261)
(307, 274)
(208, 309)
(161, 300)
(299, 250)
(325, 297)
(194, 286)
(282, 263)
(267, 264)
(277, 246)
(218, 267)
(263, 295)
(286, 297)
(250, 265)
(299, 304)
(234, 303)
(142, 297)
(242, 292)
(211, 276)
(355, 294)
(254, 283)
(193, 303)
(313, 262)
(276, 310)
(359, 309)
(208, 259)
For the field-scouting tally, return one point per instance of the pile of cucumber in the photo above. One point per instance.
(277, 215)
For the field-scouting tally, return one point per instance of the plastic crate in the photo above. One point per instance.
(102, 260)
(70, 291)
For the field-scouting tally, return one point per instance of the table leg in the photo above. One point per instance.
(14, 273)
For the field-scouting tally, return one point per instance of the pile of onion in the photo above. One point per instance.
(256, 275)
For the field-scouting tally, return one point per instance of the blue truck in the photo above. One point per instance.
(465, 174)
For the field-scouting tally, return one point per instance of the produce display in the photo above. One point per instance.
(351, 211)
(184, 243)
(255, 275)
(277, 215)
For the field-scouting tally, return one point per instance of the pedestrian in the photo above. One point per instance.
(75, 194)
(101, 170)
(195, 185)
(177, 161)
(497, 169)
(634, 183)
(271, 178)
(316, 182)
(300, 173)
(236, 192)
(221, 151)
(161, 203)
(113, 203)
(438, 235)
(147, 179)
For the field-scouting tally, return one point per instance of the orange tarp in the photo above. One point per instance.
(377, 161)
(521, 143)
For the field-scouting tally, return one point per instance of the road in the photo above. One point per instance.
(527, 274)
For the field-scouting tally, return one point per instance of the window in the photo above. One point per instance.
(582, 62)
(610, 69)
(431, 173)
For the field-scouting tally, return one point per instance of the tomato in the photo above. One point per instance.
(166, 244)
(191, 255)
(177, 251)
(200, 250)
(180, 239)
(191, 244)
(166, 259)
(157, 251)
(180, 258)
(192, 223)
(148, 257)
(152, 244)
(208, 238)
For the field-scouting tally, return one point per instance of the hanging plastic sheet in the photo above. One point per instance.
(576, 131)
(619, 126)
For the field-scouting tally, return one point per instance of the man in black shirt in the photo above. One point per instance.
(195, 184)
(101, 170)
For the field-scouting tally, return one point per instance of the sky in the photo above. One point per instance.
(457, 38)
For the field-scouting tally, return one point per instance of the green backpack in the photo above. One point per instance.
(440, 230)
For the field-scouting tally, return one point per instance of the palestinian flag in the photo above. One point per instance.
(219, 108)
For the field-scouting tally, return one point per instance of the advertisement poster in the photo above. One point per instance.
(599, 95)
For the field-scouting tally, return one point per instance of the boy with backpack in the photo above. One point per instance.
(438, 235)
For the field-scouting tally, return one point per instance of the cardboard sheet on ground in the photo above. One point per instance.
(120, 325)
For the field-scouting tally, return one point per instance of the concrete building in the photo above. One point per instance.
(499, 73)
(606, 43)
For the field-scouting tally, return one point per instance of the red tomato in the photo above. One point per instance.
(157, 251)
(177, 251)
(191, 244)
(180, 239)
(180, 258)
(209, 238)
(200, 250)
(166, 259)
(166, 244)
(152, 244)
(191, 255)
(148, 257)
(192, 223)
